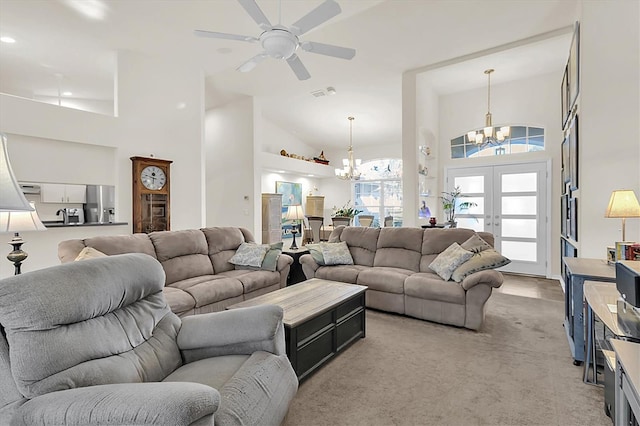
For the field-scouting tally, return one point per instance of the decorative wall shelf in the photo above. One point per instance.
(277, 162)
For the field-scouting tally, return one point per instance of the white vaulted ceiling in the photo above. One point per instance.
(58, 45)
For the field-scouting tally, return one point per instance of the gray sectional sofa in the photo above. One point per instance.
(199, 277)
(394, 264)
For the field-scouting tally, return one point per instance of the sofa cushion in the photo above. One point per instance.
(362, 242)
(486, 259)
(315, 250)
(122, 244)
(389, 280)
(435, 241)
(250, 254)
(183, 254)
(429, 286)
(255, 280)
(399, 248)
(179, 300)
(342, 273)
(222, 245)
(449, 260)
(212, 288)
(336, 254)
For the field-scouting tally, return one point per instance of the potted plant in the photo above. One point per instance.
(347, 210)
(450, 203)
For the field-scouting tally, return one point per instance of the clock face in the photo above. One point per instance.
(153, 177)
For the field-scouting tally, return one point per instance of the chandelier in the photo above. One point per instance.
(350, 170)
(489, 135)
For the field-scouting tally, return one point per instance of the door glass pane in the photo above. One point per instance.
(477, 209)
(470, 223)
(520, 250)
(520, 182)
(470, 184)
(519, 228)
(519, 205)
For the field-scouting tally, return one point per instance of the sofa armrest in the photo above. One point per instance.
(240, 331)
(309, 265)
(490, 277)
(175, 403)
(284, 260)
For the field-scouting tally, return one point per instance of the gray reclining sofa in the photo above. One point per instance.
(199, 277)
(394, 264)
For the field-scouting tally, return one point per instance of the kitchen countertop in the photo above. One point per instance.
(58, 224)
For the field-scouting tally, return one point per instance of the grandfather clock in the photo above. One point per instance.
(151, 194)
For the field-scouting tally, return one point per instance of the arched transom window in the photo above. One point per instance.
(521, 139)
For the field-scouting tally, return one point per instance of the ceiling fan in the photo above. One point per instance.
(281, 42)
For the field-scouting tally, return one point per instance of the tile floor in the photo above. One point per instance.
(531, 286)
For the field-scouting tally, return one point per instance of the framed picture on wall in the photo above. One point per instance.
(566, 174)
(291, 193)
(564, 97)
(573, 219)
(574, 67)
(563, 214)
(573, 154)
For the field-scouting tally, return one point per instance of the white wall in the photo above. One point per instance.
(149, 122)
(230, 165)
(275, 139)
(609, 137)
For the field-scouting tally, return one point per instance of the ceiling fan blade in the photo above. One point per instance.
(328, 49)
(255, 12)
(213, 34)
(298, 68)
(317, 16)
(251, 63)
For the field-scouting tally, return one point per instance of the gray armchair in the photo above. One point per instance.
(94, 342)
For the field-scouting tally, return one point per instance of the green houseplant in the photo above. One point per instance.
(450, 203)
(347, 210)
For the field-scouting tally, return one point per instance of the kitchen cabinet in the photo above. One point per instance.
(63, 193)
(271, 218)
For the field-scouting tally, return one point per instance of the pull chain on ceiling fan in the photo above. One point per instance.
(281, 42)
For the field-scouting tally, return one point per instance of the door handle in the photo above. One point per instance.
(497, 224)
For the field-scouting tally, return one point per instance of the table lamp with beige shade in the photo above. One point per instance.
(623, 204)
(296, 214)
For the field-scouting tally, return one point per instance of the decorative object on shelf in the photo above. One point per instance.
(432, 221)
(16, 222)
(350, 170)
(450, 204)
(321, 159)
(281, 42)
(489, 135)
(151, 194)
(345, 211)
(11, 197)
(284, 153)
(295, 214)
(623, 204)
(423, 170)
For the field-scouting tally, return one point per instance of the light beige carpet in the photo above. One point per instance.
(516, 371)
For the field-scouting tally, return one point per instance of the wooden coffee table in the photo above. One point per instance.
(321, 319)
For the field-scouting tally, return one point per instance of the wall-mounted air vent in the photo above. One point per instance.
(318, 93)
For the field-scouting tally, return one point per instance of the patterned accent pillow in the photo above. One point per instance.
(476, 244)
(249, 254)
(336, 254)
(270, 261)
(89, 253)
(315, 250)
(449, 260)
(486, 259)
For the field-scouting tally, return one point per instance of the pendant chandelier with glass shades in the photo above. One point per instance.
(489, 135)
(350, 170)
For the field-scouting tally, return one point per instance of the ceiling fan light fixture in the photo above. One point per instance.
(279, 44)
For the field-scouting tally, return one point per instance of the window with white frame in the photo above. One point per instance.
(521, 139)
(379, 190)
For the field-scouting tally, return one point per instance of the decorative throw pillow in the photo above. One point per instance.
(337, 254)
(249, 254)
(315, 250)
(476, 244)
(449, 260)
(486, 259)
(270, 261)
(89, 253)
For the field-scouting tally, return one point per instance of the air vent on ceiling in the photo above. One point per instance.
(318, 93)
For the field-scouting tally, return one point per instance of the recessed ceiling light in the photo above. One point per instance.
(331, 90)
(280, 171)
(67, 93)
(6, 39)
(181, 105)
(309, 175)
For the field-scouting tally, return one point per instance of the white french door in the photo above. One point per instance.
(511, 203)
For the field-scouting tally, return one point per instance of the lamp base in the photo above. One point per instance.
(17, 256)
(294, 246)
